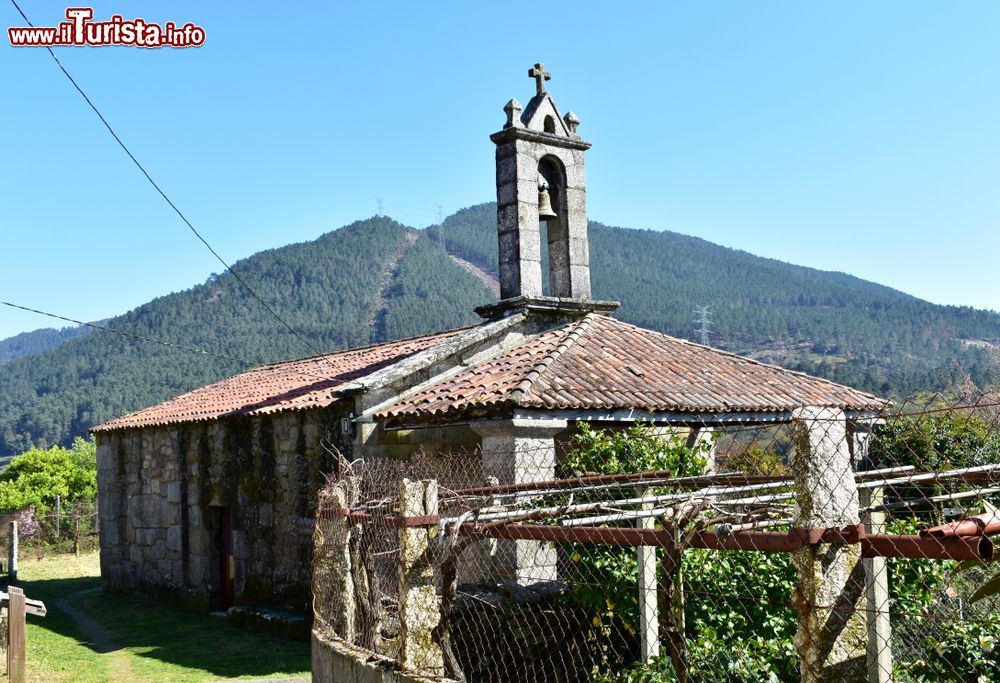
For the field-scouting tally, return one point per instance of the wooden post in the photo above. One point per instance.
(15, 635)
(58, 517)
(12, 553)
(649, 616)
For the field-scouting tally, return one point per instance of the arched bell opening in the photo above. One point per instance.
(554, 225)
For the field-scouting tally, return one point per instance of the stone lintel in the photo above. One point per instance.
(546, 305)
(555, 140)
(528, 427)
(518, 450)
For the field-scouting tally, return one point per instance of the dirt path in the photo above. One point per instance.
(488, 278)
(99, 639)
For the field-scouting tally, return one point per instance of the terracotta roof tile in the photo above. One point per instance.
(312, 382)
(603, 364)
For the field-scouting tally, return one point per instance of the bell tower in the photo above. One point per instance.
(540, 177)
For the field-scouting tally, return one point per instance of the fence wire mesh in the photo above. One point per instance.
(847, 548)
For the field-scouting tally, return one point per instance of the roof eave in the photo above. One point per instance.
(672, 417)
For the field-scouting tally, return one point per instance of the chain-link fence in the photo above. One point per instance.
(821, 547)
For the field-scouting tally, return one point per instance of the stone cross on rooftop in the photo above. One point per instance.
(540, 75)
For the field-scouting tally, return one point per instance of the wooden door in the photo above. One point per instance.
(227, 560)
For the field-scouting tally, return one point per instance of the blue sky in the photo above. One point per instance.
(850, 136)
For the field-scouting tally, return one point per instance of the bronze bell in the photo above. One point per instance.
(545, 211)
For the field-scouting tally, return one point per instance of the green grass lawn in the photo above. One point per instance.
(145, 641)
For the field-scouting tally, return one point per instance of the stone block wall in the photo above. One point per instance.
(161, 490)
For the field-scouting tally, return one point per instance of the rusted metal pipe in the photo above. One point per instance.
(874, 545)
(915, 547)
(623, 536)
(754, 541)
(759, 541)
(986, 524)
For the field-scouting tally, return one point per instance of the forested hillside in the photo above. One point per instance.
(38, 341)
(376, 280)
(832, 324)
(328, 290)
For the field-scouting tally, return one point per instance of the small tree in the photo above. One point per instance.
(37, 476)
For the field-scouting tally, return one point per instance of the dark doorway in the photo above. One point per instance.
(226, 559)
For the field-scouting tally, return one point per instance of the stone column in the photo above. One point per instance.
(419, 604)
(876, 568)
(832, 635)
(12, 552)
(334, 605)
(516, 452)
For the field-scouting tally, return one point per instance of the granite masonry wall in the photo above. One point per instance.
(162, 491)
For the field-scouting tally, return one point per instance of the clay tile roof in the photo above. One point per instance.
(312, 382)
(599, 363)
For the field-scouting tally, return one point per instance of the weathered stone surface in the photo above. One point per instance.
(515, 452)
(832, 636)
(544, 142)
(825, 491)
(334, 662)
(419, 604)
(334, 605)
(159, 492)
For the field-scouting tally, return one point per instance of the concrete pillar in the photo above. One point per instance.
(876, 568)
(649, 611)
(334, 605)
(419, 604)
(702, 439)
(832, 637)
(517, 452)
(877, 596)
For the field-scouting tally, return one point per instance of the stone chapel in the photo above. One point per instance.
(210, 497)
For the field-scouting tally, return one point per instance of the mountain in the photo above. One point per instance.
(376, 280)
(831, 324)
(38, 341)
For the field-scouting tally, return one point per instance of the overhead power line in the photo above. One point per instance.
(163, 194)
(141, 337)
(162, 342)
